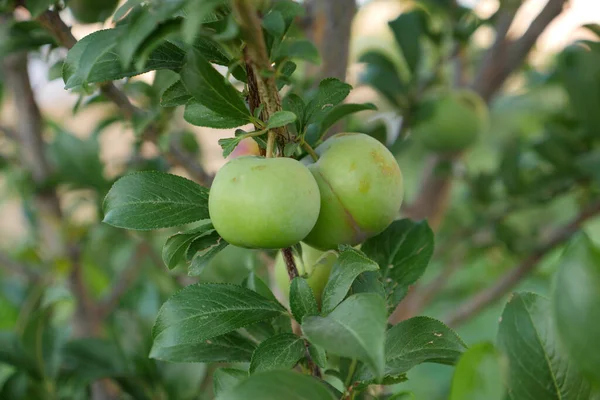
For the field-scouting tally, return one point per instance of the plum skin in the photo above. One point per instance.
(452, 122)
(266, 203)
(361, 188)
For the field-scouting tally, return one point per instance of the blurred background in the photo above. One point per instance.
(534, 165)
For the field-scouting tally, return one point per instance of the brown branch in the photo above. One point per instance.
(488, 296)
(329, 24)
(263, 90)
(30, 132)
(258, 59)
(9, 133)
(52, 22)
(505, 56)
(501, 60)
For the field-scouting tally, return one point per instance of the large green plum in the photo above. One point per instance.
(451, 122)
(91, 11)
(315, 266)
(267, 203)
(361, 189)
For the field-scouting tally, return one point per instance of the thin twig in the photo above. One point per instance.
(489, 295)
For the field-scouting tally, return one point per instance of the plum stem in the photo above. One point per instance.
(310, 151)
(290, 263)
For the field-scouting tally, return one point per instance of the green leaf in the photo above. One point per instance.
(141, 23)
(381, 74)
(153, 200)
(355, 329)
(331, 92)
(348, 266)
(175, 95)
(281, 118)
(90, 359)
(302, 299)
(231, 347)
(199, 115)
(204, 311)
(593, 28)
(295, 104)
(343, 110)
(274, 24)
(538, 367)
(211, 49)
(281, 351)
(576, 303)
(277, 385)
(297, 48)
(93, 59)
(408, 29)
(37, 7)
(228, 145)
(419, 340)
(589, 164)
(198, 11)
(480, 374)
(22, 36)
(125, 8)
(211, 89)
(77, 161)
(578, 68)
(253, 282)
(290, 149)
(403, 252)
(289, 10)
(202, 250)
(226, 378)
(510, 167)
(177, 245)
(13, 353)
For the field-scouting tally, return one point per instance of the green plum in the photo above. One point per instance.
(267, 203)
(361, 189)
(315, 266)
(92, 11)
(451, 122)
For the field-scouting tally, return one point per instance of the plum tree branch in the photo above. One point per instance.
(30, 132)
(52, 21)
(500, 61)
(263, 89)
(328, 23)
(258, 59)
(489, 295)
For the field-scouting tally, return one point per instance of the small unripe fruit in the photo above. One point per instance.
(267, 203)
(451, 122)
(92, 11)
(361, 189)
(315, 266)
